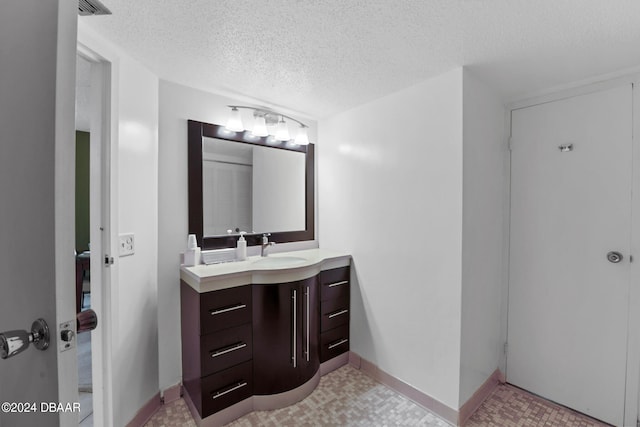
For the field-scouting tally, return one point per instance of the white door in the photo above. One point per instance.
(37, 53)
(570, 206)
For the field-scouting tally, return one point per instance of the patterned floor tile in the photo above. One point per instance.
(349, 398)
(510, 406)
(346, 397)
(172, 414)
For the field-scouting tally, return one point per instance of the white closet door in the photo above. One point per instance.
(570, 206)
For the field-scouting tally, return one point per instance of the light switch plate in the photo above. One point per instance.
(127, 245)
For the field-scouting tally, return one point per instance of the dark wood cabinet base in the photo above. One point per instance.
(334, 342)
(334, 312)
(285, 335)
(262, 340)
(217, 347)
(262, 403)
(226, 388)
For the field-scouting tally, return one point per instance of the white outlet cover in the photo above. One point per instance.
(127, 245)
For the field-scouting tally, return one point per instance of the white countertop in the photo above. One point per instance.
(307, 263)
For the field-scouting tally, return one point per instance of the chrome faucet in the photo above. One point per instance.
(265, 244)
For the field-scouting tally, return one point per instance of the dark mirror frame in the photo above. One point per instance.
(198, 130)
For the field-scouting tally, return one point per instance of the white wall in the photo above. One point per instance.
(390, 191)
(485, 159)
(177, 105)
(134, 209)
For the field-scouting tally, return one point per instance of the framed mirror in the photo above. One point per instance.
(239, 182)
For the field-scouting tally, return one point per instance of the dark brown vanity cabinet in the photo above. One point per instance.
(260, 339)
(334, 312)
(217, 347)
(285, 335)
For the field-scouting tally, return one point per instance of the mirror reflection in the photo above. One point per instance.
(251, 188)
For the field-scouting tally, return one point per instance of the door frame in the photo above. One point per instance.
(101, 227)
(632, 384)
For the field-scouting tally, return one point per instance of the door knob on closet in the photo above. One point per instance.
(15, 342)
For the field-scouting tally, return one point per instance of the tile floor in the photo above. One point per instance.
(348, 397)
(345, 397)
(510, 406)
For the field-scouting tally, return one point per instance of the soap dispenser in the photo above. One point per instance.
(241, 249)
(192, 254)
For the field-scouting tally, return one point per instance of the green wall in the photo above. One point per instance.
(82, 191)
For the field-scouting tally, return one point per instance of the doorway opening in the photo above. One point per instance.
(82, 226)
(93, 94)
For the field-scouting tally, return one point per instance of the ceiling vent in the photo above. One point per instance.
(92, 7)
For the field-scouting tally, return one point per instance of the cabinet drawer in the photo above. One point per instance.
(334, 283)
(226, 348)
(225, 308)
(334, 342)
(334, 312)
(227, 387)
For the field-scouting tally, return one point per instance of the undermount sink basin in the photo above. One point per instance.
(281, 261)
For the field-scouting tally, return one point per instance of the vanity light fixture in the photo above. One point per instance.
(260, 127)
(266, 119)
(282, 132)
(302, 138)
(234, 123)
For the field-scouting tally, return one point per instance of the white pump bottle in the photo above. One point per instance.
(241, 249)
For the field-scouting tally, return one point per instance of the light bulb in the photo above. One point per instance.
(271, 128)
(260, 127)
(234, 123)
(302, 138)
(282, 133)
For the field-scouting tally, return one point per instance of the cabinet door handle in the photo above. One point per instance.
(344, 282)
(229, 390)
(335, 344)
(338, 313)
(226, 310)
(293, 336)
(307, 351)
(234, 347)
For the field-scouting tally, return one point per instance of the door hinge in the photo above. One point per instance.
(506, 348)
(509, 144)
(108, 260)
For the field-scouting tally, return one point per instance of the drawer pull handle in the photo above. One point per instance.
(338, 313)
(308, 320)
(342, 341)
(226, 310)
(229, 390)
(295, 326)
(344, 282)
(234, 347)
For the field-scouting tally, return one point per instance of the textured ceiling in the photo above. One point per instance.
(321, 57)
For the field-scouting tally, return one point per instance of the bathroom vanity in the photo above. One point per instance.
(257, 334)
